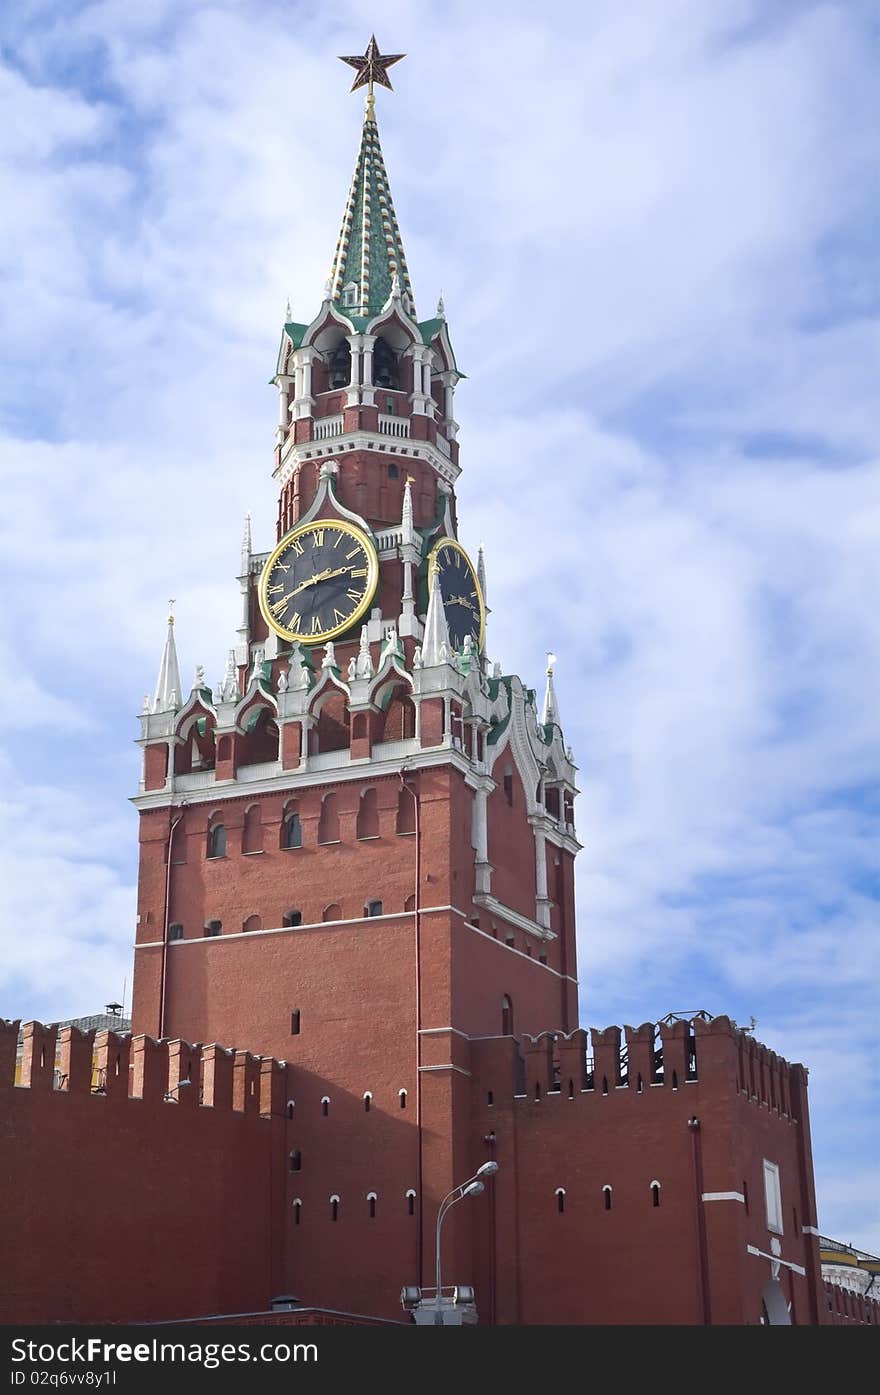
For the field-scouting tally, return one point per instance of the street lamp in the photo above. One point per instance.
(474, 1186)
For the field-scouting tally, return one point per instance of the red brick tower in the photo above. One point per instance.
(357, 854)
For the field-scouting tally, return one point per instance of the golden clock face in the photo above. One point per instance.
(319, 581)
(460, 589)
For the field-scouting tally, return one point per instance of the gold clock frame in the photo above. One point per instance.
(340, 525)
(457, 547)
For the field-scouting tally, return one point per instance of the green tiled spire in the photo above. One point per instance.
(369, 252)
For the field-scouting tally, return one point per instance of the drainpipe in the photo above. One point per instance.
(694, 1125)
(418, 957)
(165, 918)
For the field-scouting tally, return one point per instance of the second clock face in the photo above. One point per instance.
(460, 589)
(319, 581)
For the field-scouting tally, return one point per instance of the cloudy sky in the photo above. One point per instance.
(654, 226)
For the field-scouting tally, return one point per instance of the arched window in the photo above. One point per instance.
(297, 1210)
(359, 727)
(406, 811)
(334, 1208)
(506, 1017)
(655, 1193)
(296, 1161)
(385, 369)
(410, 1202)
(224, 748)
(291, 1105)
(373, 908)
(332, 912)
(340, 365)
(253, 922)
(401, 1094)
(410, 903)
(368, 1100)
(560, 1199)
(291, 829)
(328, 824)
(252, 833)
(606, 1193)
(350, 295)
(368, 816)
(216, 840)
(213, 927)
(175, 931)
(291, 917)
(371, 1200)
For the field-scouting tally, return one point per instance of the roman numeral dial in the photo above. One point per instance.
(319, 581)
(460, 589)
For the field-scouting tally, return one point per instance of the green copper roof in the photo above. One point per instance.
(370, 251)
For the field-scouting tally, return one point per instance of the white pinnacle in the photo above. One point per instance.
(406, 520)
(168, 682)
(246, 544)
(435, 645)
(481, 572)
(550, 710)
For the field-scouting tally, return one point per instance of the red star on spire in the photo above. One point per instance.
(372, 66)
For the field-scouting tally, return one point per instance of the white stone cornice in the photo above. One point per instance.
(505, 913)
(280, 781)
(407, 448)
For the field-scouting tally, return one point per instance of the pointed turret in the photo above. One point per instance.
(481, 572)
(550, 710)
(435, 645)
(168, 682)
(369, 252)
(246, 544)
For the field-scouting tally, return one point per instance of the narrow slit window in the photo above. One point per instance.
(368, 1100)
(295, 1022)
(325, 1106)
(560, 1199)
(371, 1199)
(296, 1160)
(401, 1094)
(655, 1193)
(606, 1193)
(297, 1209)
(334, 1208)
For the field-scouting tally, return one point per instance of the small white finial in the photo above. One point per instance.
(200, 676)
(288, 313)
(441, 308)
(395, 287)
(328, 291)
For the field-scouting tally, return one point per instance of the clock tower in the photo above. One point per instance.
(357, 849)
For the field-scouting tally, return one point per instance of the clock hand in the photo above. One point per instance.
(319, 576)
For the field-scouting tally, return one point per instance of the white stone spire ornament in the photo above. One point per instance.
(364, 665)
(288, 313)
(550, 710)
(481, 572)
(441, 308)
(406, 518)
(246, 545)
(168, 682)
(435, 645)
(229, 687)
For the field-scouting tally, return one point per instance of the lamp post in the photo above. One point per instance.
(474, 1186)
